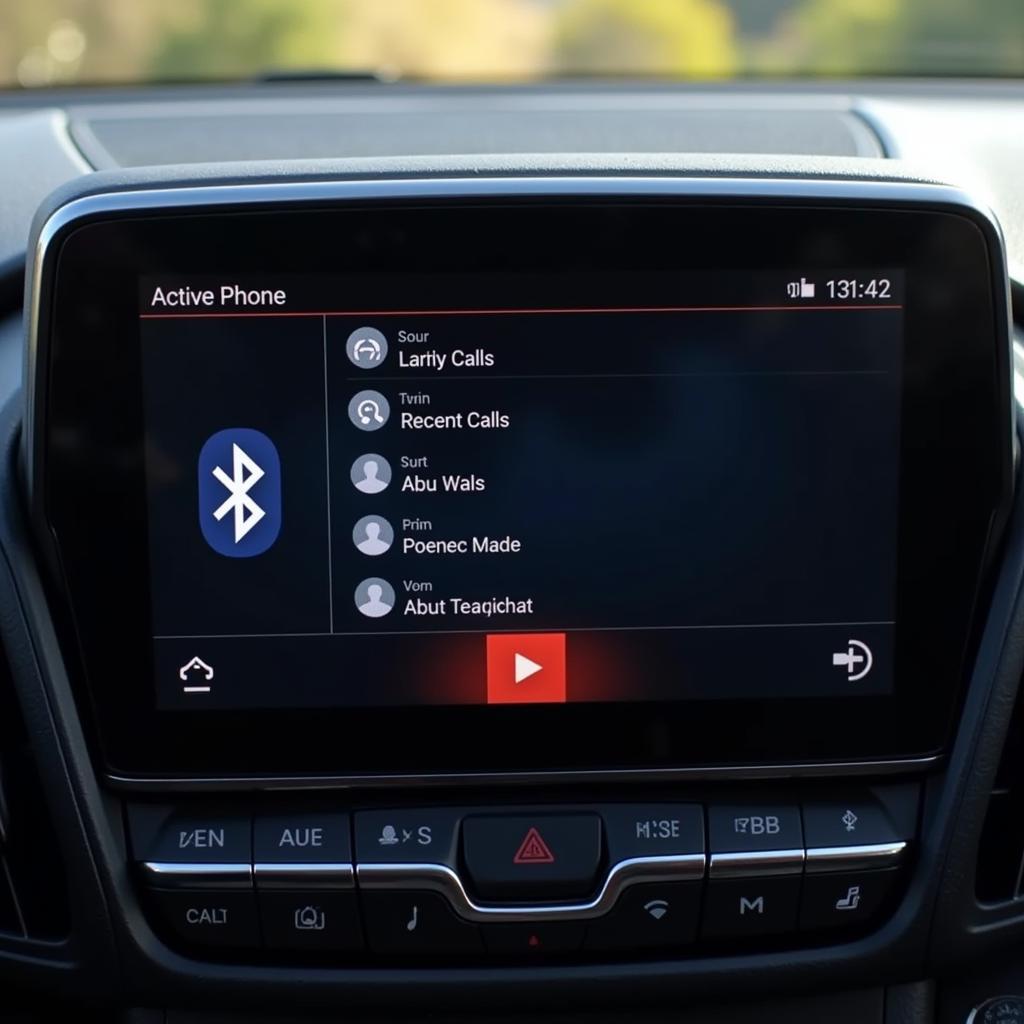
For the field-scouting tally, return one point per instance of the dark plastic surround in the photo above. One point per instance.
(955, 461)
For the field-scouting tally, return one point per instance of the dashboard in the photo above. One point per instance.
(436, 577)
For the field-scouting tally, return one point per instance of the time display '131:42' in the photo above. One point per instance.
(852, 288)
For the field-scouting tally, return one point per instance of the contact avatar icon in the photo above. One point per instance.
(371, 474)
(375, 597)
(373, 535)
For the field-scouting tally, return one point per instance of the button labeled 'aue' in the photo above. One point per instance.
(302, 839)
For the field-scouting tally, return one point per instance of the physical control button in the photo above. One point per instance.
(415, 923)
(653, 830)
(208, 918)
(649, 916)
(539, 857)
(854, 829)
(408, 836)
(161, 834)
(845, 899)
(740, 907)
(310, 920)
(191, 850)
(755, 840)
(533, 939)
(303, 850)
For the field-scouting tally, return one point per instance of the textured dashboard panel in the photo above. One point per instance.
(400, 126)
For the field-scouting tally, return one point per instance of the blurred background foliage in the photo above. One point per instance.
(45, 42)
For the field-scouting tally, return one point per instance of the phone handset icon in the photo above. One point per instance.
(368, 410)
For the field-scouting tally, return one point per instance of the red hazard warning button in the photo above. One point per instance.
(540, 857)
(533, 850)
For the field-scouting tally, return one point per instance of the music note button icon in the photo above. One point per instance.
(416, 922)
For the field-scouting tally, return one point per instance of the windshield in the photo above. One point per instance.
(53, 42)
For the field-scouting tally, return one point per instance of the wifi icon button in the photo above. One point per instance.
(657, 908)
(650, 916)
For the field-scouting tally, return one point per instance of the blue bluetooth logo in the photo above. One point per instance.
(239, 492)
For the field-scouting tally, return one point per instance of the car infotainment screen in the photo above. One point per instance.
(512, 489)
(420, 484)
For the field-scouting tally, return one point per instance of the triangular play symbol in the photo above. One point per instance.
(525, 667)
(533, 850)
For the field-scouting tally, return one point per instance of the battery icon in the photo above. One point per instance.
(802, 289)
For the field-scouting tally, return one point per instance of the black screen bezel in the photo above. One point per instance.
(89, 495)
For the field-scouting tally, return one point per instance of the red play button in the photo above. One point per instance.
(526, 668)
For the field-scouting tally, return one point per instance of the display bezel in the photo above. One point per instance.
(88, 498)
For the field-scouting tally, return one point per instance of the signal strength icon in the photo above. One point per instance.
(802, 289)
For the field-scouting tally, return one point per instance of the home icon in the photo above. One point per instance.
(195, 669)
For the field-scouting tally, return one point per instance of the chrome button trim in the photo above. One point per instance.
(304, 876)
(442, 879)
(293, 783)
(187, 875)
(854, 858)
(759, 863)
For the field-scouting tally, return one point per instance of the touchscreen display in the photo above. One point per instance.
(502, 489)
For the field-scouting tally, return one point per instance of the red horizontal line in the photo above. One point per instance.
(367, 313)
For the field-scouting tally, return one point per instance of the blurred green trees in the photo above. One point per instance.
(692, 38)
(924, 37)
(48, 41)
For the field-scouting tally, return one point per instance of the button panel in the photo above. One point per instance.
(531, 882)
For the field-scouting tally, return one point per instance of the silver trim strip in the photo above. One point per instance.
(304, 876)
(442, 879)
(230, 783)
(168, 875)
(759, 863)
(821, 859)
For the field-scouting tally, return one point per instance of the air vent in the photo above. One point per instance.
(1000, 871)
(33, 895)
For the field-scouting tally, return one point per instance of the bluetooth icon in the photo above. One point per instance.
(238, 486)
(239, 506)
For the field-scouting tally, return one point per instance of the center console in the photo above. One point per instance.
(570, 568)
(543, 880)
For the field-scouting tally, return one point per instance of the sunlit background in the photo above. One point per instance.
(50, 42)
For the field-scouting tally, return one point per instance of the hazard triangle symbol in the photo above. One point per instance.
(533, 850)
